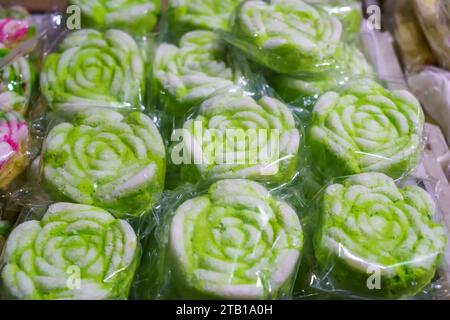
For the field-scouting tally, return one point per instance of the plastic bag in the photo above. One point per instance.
(137, 17)
(268, 34)
(104, 158)
(71, 251)
(187, 15)
(375, 239)
(349, 12)
(234, 135)
(16, 26)
(95, 69)
(434, 17)
(366, 128)
(186, 74)
(231, 240)
(432, 87)
(304, 90)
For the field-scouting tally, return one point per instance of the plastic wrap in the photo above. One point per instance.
(138, 17)
(366, 128)
(233, 135)
(269, 34)
(16, 26)
(349, 12)
(231, 240)
(104, 158)
(375, 239)
(432, 87)
(434, 17)
(187, 15)
(72, 252)
(95, 69)
(304, 90)
(188, 73)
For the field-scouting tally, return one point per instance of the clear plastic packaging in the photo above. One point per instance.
(268, 34)
(376, 240)
(187, 15)
(104, 158)
(236, 135)
(137, 17)
(431, 86)
(434, 17)
(187, 74)
(231, 240)
(366, 128)
(95, 69)
(16, 26)
(69, 251)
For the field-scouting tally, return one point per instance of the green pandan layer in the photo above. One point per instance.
(201, 14)
(366, 128)
(94, 69)
(192, 72)
(372, 228)
(288, 36)
(235, 242)
(235, 136)
(106, 159)
(136, 16)
(74, 252)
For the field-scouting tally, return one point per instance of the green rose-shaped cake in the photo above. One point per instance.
(370, 227)
(74, 252)
(236, 136)
(192, 72)
(94, 69)
(235, 242)
(288, 36)
(366, 128)
(106, 159)
(201, 14)
(136, 16)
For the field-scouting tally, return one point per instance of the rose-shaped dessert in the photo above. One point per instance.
(366, 128)
(369, 226)
(136, 16)
(235, 242)
(288, 36)
(13, 146)
(94, 69)
(106, 159)
(74, 252)
(235, 136)
(193, 71)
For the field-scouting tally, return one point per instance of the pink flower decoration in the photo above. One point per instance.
(13, 131)
(12, 30)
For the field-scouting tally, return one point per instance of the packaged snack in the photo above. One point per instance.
(106, 159)
(434, 18)
(237, 241)
(94, 69)
(287, 36)
(191, 72)
(16, 84)
(16, 26)
(201, 14)
(74, 252)
(235, 136)
(135, 16)
(370, 228)
(353, 64)
(14, 139)
(366, 128)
